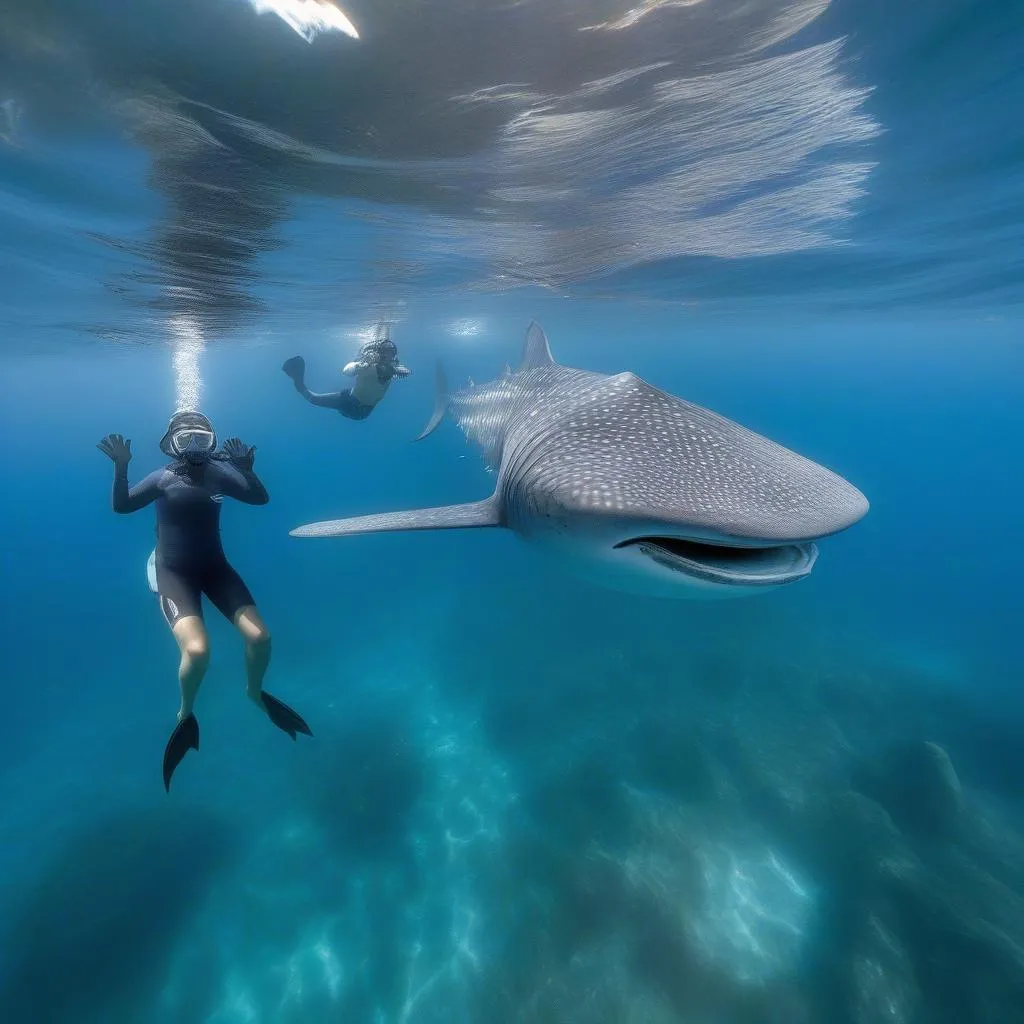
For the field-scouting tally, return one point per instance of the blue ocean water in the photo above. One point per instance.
(528, 798)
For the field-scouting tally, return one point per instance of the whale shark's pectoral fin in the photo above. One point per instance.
(474, 514)
(440, 403)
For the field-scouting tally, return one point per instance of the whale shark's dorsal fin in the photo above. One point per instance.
(474, 514)
(536, 351)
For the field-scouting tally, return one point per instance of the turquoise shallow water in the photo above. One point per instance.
(528, 798)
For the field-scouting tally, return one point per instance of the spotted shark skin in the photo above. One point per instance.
(640, 489)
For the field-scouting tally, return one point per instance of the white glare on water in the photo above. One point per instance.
(467, 327)
(308, 17)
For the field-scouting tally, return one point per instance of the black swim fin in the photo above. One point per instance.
(295, 368)
(283, 717)
(184, 738)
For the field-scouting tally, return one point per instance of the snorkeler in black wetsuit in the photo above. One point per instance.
(190, 560)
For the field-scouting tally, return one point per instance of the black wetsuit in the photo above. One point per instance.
(190, 559)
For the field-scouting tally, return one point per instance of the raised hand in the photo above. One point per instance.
(241, 455)
(116, 448)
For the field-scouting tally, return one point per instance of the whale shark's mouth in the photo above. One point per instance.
(726, 565)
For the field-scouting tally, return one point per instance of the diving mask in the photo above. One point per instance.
(194, 444)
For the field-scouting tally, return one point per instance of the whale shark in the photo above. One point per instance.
(631, 486)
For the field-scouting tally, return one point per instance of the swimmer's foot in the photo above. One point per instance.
(184, 738)
(295, 367)
(283, 717)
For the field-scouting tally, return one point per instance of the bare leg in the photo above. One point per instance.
(257, 651)
(257, 658)
(195, 659)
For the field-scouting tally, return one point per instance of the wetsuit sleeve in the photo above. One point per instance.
(125, 499)
(242, 486)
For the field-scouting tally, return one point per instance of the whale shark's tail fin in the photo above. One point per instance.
(447, 517)
(440, 404)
